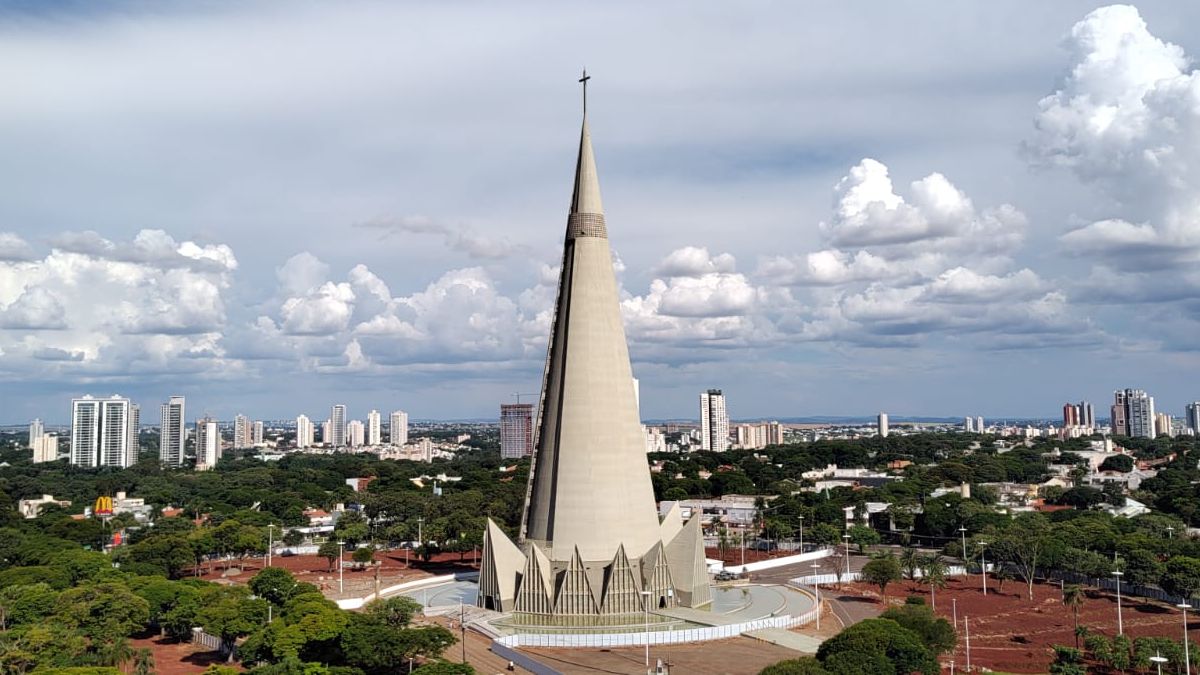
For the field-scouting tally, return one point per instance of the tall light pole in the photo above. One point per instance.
(421, 531)
(967, 629)
(270, 541)
(963, 530)
(1120, 625)
(983, 564)
(802, 533)
(1187, 657)
(1170, 532)
(646, 608)
(846, 538)
(817, 588)
(341, 565)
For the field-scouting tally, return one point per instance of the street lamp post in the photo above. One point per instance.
(983, 564)
(967, 630)
(1170, 532)
(963, 530)
(846, 538)
(1187, 657)
(646, 608)
(801, 533)
(341, 566)
(270, 541)
(817, 588)
(1120, 624)
(1158, 660)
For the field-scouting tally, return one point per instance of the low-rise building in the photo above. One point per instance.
(32, 508)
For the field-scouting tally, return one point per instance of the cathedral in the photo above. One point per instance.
(591, 546)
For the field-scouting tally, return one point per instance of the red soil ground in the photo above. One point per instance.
(733, 556)
(394, 568)
(1011, 633)
(178, 658)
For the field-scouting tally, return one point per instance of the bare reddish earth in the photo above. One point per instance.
(1011, 633)
(733, 556)
(179, 658)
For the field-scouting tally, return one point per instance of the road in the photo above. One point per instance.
(848, 609)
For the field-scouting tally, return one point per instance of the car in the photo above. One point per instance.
(726, 575)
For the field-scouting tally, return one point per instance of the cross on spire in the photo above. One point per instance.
(584, 80)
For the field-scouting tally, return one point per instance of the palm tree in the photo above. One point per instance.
(114, 653)
(910, 562)
(1073, 597)
(143, 662)
(935, 570)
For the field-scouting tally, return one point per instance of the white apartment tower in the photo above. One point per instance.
(45, 448)
(882, 424)
(337, 426)
(979, 428)
(1133, 414)
(135, 434)
(398, 428)
(36, 429)
(100, 432)
(374, 431)
(714, 421)
(304, 432)
(968, 424)
(241, 431)
(355, 433)
(256, 437)
(208, 443)
(172, 432)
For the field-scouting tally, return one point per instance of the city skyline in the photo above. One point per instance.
(835, 235)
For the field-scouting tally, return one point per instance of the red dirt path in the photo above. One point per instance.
(179, 658)
(1011, 633)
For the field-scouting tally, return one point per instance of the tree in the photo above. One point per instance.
(274, 584)
(445, 668)
(1121, 463)
(1073, 597)
(293, 537)
(935, 632)
(396, 611)
(807, 665)
(143, 662)
(910, 562)
(330, 551)
(1142, 567)
(1067, 661)
(1023, 545)
(363, 555)
(373, 645)
(103, 612)
(228, 612)
(881, 571)
(873, 642)
(935, 571)
(1181, 576)
(863, 536)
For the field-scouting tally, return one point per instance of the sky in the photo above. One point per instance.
(821, 208)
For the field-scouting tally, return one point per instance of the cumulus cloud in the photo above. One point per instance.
(116, 307)
(693, 261)
(14, 248)
(323, 311)
(1127, 118)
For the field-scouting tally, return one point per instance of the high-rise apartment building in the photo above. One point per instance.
(374, 428)
(968, 424)
(1192, 417)
(1133, 414)
(45, 448)
(100, 432)
(881, 424)
(355, 433)
(304, 432)
(241, 432)
(714, 421)
(337, 428)
(979, 427)
(1163, 424)
(398, 428)
(1070, 415)
(1087, 415)
(208, 443)
(256, 436)
(516, 430)
(327, 432)
(135, 433)
(172, 432)
(36, 429)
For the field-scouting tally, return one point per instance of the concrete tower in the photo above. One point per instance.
(590, 535)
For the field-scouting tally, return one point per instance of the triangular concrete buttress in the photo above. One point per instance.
(574, 595)
(689, 569)
(622, 589)
(501, 563)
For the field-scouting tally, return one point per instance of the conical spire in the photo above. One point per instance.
(586, 198)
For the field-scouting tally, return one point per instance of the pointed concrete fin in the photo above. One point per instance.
(574, 596)
(622, 592)
(671, 523)
(533, 597)
(656, 576)
(586, 198)
(502, 561)
(689, 570)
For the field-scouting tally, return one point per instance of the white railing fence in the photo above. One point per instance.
(658, 637)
